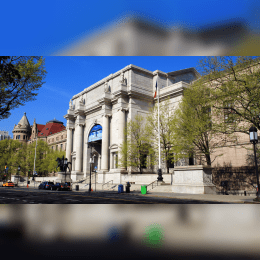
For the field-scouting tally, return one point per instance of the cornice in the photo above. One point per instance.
(69, 116)
(93, 109)
(80, 112)
(120, 92)
(171, 93)
(158, 72)
(138, 95)
(114, 75)
(107, 101)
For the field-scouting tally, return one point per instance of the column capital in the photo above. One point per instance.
(106, 115)
(80, 124)
(70, 127)
(122, 109)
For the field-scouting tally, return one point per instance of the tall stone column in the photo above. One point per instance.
(121, 132)
(78, 145)
(105, 142)
(69, 144)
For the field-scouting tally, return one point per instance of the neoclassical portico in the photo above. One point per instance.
(105, 108)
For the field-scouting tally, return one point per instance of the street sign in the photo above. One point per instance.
(95, 167)
(7, 168)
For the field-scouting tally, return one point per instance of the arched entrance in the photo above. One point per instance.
(95, 142)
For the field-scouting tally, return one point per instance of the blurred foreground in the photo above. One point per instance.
(131, 231)
(137, 36)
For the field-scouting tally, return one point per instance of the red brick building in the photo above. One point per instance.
(53, 132)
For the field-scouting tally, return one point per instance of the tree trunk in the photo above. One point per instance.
(208, 159)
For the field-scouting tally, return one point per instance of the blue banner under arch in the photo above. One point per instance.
(95, 133)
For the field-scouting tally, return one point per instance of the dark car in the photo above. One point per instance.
(56, 186)
(46, 185)
(65, 186)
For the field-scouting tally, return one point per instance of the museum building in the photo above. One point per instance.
(98, 115)
(53, 132)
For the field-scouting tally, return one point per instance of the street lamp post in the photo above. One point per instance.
(254, 139)
(19, 168)
(91, 161)
(65, 165)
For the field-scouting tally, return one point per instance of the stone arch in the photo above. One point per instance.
(90, 130)
(92, 125)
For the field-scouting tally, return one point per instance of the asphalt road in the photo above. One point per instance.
(22, 195)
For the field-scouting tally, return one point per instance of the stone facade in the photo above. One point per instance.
(111, 103)
(58, 140)
(54, 133)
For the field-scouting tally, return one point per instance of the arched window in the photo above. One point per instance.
(95, 133)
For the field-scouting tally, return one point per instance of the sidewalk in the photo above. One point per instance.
(202, 197)
(183, 196)
(206, 197)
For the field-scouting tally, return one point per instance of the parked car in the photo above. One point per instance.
(8, 184)
(64, 186)
(56, 186)
(46, 185)
(68, 186)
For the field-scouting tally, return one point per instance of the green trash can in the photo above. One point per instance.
(143, 189)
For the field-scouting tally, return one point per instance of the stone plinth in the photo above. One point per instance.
(122, 177)
(61, 177)
(193, 179)
(76, 175)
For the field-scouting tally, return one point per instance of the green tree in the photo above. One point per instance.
(235, 89)
(166, 133)
(8, 148)
(42, 160)
(136, 151)
(51, 158)
(19, 158)
(193, 127)
(20, 78)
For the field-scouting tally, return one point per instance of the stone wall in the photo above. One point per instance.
(239, 178)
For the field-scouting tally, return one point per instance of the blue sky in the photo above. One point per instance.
(67, 76)
(43, 27)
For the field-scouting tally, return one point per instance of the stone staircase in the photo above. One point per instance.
(159, 187)
(164, 187)
(85, 180)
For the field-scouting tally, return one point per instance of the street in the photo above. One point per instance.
(23, 195)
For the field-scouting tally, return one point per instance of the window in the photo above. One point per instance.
(61, 137)
(229, 112)
(57, 138)
(56, 147)
(24, 137)
(18, 137)
(52, 147)
(61, 146)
